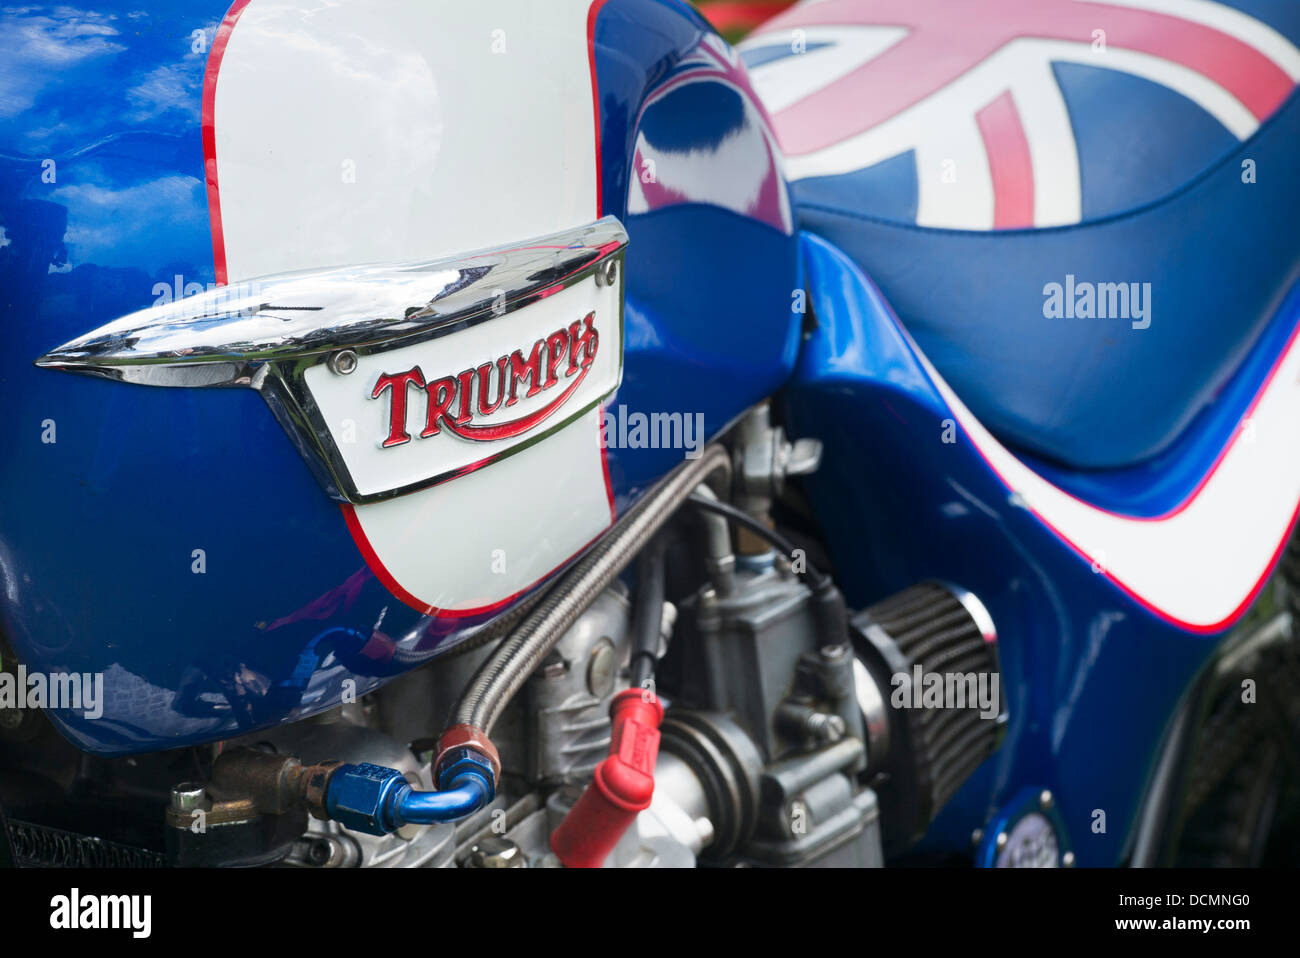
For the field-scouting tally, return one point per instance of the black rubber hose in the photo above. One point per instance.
(648, 611)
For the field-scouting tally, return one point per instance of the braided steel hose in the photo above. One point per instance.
(504, 674)
(378, 800)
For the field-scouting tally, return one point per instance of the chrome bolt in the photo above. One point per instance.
(342, 362)
(187, 797)
(1001, 840)
(825, 726)
(607, 274)
(1067, 859)
(1045, 800)
(332, 851)
(496, 852)
(977, 836)
(322, 850)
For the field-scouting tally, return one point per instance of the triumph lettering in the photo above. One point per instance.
(460, 402)
(396, 388)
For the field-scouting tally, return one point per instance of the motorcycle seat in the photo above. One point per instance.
(1085, 213)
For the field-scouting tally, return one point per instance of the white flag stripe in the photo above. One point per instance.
(1247, 29)
(929, 127)
(1197, 87)
(1199, 565)
(1054, 156)
(784, 82)
(954, 184)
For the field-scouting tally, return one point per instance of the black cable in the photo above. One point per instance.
(816, 579)
(828, 604)
(648, 611)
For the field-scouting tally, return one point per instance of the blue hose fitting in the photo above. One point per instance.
(378, 800)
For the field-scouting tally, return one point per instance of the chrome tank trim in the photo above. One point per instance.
(266, 333)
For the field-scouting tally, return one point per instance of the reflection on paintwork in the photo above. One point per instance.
(98, 528)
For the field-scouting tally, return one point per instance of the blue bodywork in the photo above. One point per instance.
(1091, 678)
(99, 528)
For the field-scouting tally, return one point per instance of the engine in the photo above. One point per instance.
(707, 700)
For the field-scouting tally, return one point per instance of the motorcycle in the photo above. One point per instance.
(512, 434)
